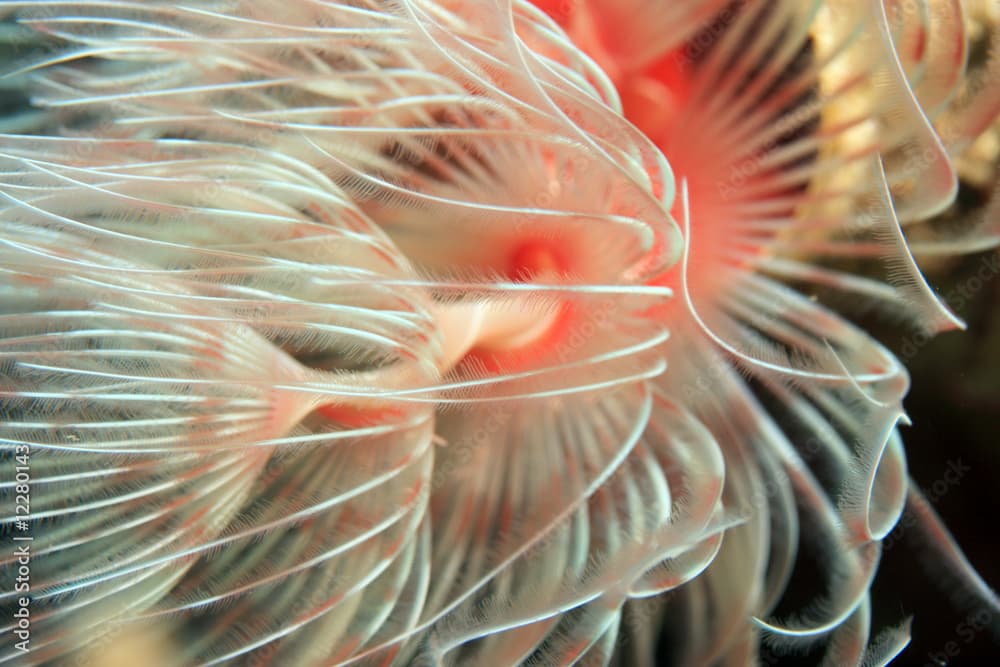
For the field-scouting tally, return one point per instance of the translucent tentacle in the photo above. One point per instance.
(155, 362)
(965, 585)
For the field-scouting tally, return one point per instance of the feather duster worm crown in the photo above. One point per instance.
(469, 333)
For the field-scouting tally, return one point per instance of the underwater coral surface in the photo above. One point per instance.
(491, 332)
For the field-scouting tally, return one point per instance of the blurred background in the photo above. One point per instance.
(953, 449)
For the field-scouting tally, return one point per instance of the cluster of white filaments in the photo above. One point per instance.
(373, 332)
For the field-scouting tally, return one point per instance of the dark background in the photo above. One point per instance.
(954, 403)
